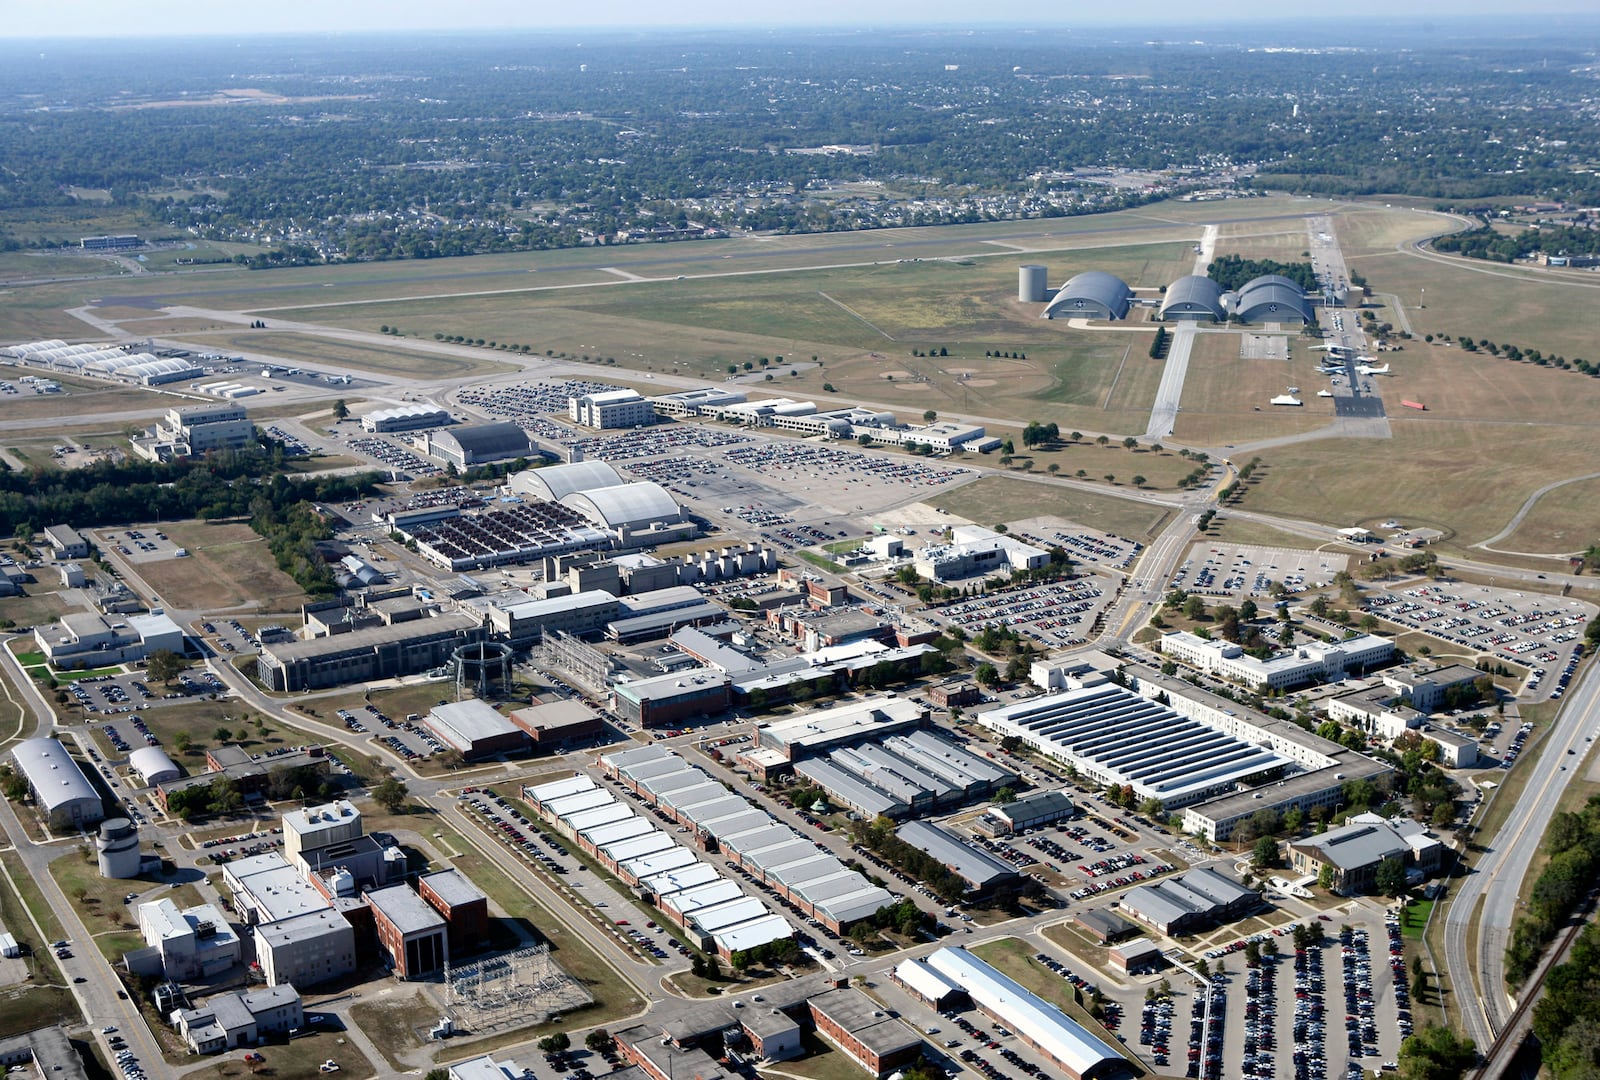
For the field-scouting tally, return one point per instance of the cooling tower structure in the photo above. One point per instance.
(117, 847)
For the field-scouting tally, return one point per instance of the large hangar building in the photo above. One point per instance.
(1195, 298)
(1093, 294)
(1272, 298)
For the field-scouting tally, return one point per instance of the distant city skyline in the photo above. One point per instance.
(160, 18)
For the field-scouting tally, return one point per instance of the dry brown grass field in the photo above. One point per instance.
(1467, 478)
(1225, 398)
(228, 564)
(386, 360)
(1562, 522)
(998, 499)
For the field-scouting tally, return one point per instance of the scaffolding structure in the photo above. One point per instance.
(482, 666)
(560, 650)
(515, 988)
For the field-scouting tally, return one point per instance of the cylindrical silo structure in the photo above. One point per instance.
(118, 848)
(1031, 283)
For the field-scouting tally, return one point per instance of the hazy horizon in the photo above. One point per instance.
(88, 19)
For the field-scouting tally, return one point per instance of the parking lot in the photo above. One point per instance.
(1059, 613)
(1542, 633)
(1237, 571)
(139, 545)
(386, 451)
(1089, 546)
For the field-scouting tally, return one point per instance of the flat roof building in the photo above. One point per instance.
(619, 408)
(307, 949)
(379, 652)
(411, 933)
(815, 732)
(973, 551)
(194, 943)
(475, 730)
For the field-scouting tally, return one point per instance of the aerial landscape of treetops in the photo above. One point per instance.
(408, 146)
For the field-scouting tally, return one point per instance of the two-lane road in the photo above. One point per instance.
(1496, 876)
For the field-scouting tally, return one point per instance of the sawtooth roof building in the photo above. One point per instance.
(1114, 736)
(1093, 294)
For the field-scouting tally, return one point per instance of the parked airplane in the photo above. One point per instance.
(1368, 369)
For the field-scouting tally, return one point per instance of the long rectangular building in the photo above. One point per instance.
(1078, 1053)
(380, 652)
(981, 871)
(1112, 735)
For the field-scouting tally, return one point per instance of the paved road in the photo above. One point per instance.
(1164, 413)
(1496, 876)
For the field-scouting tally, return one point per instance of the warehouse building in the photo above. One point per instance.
(927, 985)
(1106, 927)
(475, 730)
(62, 793)
(1093, 294)
(559, 723)
(1194, 298)
(1196, 900)
(476, 444)
(367, 655)
(1042, 1025)
(306, 949)
(982, 872)
(611, 409)
(405, 418)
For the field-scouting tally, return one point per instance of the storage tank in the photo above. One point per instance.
(1031, 283)
(117, 847)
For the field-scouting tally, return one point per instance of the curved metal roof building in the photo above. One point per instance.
(475, 443)
(1093, 294)
(626, 506)
(1193, 297)
(558, 481)
(63, 793)
(1272, 298)
(153, 765)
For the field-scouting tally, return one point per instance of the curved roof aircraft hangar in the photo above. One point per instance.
(1194, 297)
(1272, 298)
(1093, 294)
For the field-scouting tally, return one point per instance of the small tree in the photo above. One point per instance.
(1265, 854)
(163, 666)
(929, 416)
(341, 411)
(390, 794)
(1390, 877)
(600, 1041)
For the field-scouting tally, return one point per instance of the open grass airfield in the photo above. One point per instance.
(904, 319)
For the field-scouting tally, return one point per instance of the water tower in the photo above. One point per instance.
(1032, 283)
(484, 667)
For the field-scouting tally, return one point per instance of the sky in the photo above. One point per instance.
(124, 18)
